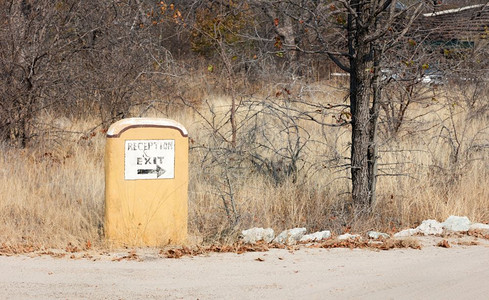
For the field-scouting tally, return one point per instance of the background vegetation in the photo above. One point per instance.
(266, 109)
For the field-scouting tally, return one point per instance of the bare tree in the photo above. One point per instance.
(77, 57)
(355, 35)
(36, 43)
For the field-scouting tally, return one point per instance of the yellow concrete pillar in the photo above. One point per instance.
(146, 182)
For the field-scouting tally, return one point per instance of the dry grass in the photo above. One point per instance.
(53, 193)
(51, 198)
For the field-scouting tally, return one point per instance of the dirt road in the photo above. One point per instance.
(460, 272)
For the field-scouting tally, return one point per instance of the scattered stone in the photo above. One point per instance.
(457, 224)
(290, 236)
(377, 235)
(427, 227)
(406, 233)
(430, 227)
(348, 236)
(479, 226)
(253, 235)
(316, 236)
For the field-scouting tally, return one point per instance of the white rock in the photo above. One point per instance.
(430, 227)
(456, 224)
(377, 235)
(255, 234)
(406, 233)
(348, 236)
(479, 226)
(290, 236)
(316, 236)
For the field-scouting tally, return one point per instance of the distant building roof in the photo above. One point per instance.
(453, 11)
(466, 23)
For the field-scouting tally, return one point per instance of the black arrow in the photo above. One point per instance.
(159, 171)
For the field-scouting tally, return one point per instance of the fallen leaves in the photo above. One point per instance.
(178, 252)
(240, 248)
(37, 250)
(483, 234)
(132, 255)
(401, 243)
(443, 244)
(9, 250)
(83, 250)
(468, 243)
(362, 244)
(71, 248)
(237, 248)
(335, 243)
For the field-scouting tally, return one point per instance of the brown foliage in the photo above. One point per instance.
(240, 248)
(237, 248)
(444, 244)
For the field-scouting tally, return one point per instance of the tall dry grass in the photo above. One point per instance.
(52, 194)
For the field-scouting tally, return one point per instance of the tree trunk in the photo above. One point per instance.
(363, 156)
(359, 106)
(374, 114)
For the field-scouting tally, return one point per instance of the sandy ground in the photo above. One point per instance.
(460, 272)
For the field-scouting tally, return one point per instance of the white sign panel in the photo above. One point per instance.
(149, 159)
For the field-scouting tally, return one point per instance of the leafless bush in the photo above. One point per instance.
(72, 58)
(273, 142)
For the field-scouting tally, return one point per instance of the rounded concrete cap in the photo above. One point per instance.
(120, 126)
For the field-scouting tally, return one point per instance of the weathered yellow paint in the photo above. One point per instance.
(145, 212)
